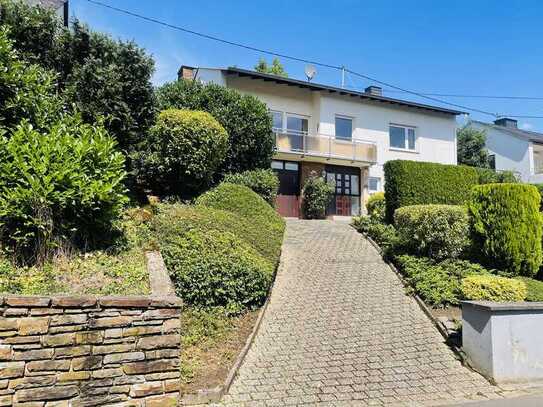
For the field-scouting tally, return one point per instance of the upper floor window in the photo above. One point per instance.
(277, 120)
(402, 137)
(344, 128)
(538, 158)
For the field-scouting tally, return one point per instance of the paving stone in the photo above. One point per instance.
(340, 330)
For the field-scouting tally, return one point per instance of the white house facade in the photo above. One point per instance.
(513, 149)
(346, 135)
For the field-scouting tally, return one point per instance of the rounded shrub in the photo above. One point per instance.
(316, 195)
(493, 288)
(436, 231)
(177, 219)
(212, 268)
(183, 152)
(64, 184)
(262, 181)
(244, 202)
(376, 206)
(506, 227)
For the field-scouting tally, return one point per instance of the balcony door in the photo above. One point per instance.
(297, 127)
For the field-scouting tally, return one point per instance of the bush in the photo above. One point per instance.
(264, 182)
(438, 283)
(382, 234)
(436, 231)
(178, 219)
(102, 77)
(376, 206)
(316, 195)
(534, 289)
(26, 91)
(488, 176)
(245, 118)
(184, 151)
(66, 184)
(493, 288)
(212, 268)
(540, 189)
(420, 183)
(506, 227)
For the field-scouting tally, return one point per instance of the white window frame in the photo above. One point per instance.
(342, 116)
(298, 116)
(535, 170)
(282, 128)
(406, 138)
(372, 191)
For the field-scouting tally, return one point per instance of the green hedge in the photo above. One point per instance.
(493, 288)
(436, 231)
(507, 227)
(534, 288)
(376, 206)
(264, 182)
(416, 183)
(540, 189)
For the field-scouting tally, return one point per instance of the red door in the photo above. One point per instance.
(288, 206)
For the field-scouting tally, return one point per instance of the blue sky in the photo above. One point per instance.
(456, 47)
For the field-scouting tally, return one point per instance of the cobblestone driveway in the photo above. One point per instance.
(339, 330)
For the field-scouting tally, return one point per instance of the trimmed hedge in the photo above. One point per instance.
(436, 231)
(506, 227)
(416, 183)
(540, 189)
(534, 287)
(264, 182)
(376, 206)
(493, 288)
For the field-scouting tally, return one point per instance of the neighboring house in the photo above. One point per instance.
(345, 135)
(60, 7)
(513, 149)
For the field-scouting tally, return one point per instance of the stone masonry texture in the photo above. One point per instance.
(340, 330)
(88, 351)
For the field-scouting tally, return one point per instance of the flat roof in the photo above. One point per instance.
(331, 89)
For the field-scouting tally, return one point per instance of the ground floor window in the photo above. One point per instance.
(374, 184)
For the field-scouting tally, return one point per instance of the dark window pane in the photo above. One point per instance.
(277, 119)
(296, 125)
(411, 139)
(397, 137)
(344, 128)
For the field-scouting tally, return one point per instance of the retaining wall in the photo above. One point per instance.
(88, 351)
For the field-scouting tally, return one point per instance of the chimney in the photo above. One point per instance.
(506, 122)
(185, 72)
(374, 90)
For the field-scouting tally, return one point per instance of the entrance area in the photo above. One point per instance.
(346, 200)
(288, 197)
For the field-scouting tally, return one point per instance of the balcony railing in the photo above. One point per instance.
(325, 146)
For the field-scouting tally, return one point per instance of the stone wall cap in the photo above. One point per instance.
(74, 301)
(125, 301)
(87, 301)
(504, 306)
(27, 301)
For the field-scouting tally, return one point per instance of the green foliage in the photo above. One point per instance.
(245, 119)
(493, 288)
(100, 76)
(262, 181)
(184, 150)
(436, 231)
(316, 195)
(382, 234)
(540, 190)
(534, 289)
(276, 67)
(488, 176)
(420, 183)
(176, 219)
(376, 206)
(507, 227)
(65, 184)
(26, 91)
(438, 283)
(246, 203)
(471, 147)
(26, 280)
(212, 268)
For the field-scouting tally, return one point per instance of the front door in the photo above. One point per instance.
(346, 199)
(288, 197)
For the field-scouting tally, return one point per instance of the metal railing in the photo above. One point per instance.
(325, 146)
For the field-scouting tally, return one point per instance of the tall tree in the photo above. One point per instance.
(276, 67)
(471, 147)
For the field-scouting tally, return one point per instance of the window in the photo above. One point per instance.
(538, 158)
(344, 128)
(277, 120)
(296, 125)
(291, 166)
(277, 165)
(373, 184)
(402, 137)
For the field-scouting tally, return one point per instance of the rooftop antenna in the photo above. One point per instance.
(310, 72)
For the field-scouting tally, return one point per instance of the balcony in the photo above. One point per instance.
(325, 147)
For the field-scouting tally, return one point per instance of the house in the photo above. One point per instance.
(513, 149)
(345, 135)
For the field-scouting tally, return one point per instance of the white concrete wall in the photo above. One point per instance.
(512, 153)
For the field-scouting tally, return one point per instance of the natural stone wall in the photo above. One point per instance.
(88, 351)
